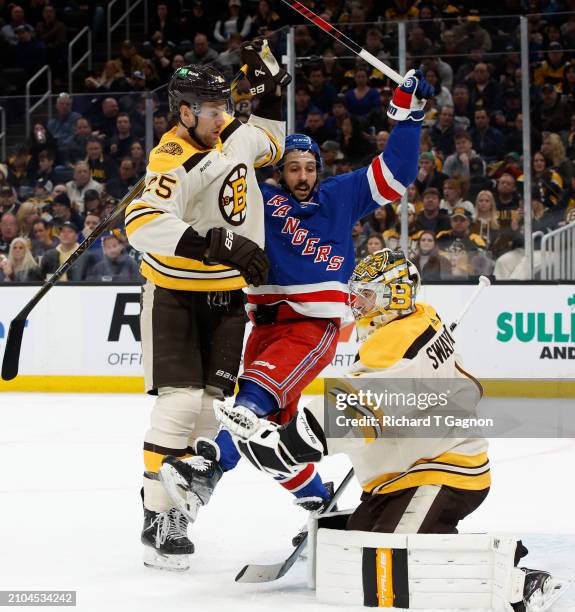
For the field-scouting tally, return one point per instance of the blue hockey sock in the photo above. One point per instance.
(229, 455)
(306, 483)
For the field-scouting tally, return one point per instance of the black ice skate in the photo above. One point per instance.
(190, 482)
(540, 590)
(312, 504)
(166, 540)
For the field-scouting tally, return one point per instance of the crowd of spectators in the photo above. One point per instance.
(465, 209)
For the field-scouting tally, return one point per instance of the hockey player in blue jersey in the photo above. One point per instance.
(296, 316)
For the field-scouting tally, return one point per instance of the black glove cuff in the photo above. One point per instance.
(191, 245)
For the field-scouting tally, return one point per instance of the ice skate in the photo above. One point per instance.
(541, 590)
(190, 482)
(312, 504)
(166, 540)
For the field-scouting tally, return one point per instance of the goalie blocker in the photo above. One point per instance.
(422, 571)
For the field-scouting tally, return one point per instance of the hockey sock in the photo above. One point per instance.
(306, 483)
(229, 455)
(256, 398)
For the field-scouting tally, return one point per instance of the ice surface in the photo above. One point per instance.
(70, 514)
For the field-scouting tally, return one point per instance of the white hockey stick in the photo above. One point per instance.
(483, 282)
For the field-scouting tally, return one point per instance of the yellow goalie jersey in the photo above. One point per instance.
(416, 347)
(204, 189)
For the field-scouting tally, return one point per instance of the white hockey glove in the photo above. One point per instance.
(264, 73)
(269, 447)
(409, 98)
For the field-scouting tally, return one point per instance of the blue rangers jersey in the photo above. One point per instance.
(309, 244)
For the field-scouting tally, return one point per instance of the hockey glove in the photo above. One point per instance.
(231, 249)
(264, 73)
(409, 98)
(269, 447)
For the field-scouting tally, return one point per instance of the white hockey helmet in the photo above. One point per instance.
(382, 288)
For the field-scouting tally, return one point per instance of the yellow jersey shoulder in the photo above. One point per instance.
(171, 152)
(400, 339)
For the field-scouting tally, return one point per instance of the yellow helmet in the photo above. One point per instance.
(383, 287)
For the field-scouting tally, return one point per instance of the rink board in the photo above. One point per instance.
(518, 339)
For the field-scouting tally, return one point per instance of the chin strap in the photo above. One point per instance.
(192, 132)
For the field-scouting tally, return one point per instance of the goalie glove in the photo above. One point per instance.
(269, 447)
(236, 251)
(263, 73)
(409, 98)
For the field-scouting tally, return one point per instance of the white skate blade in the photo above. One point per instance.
(186, 502)
(554, 589)
(170, 563)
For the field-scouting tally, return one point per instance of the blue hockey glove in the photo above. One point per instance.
(409, 98)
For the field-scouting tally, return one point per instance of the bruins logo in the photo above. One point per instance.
(171, 148)
(233, 196)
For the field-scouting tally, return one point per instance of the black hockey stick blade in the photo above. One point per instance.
(254, 573)
(12, 350)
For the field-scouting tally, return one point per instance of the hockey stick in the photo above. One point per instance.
(344, 40)
(269, 573)
(11, 359)
(483, 282)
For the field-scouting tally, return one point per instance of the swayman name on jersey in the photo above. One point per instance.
(204, 189)
(414, 347)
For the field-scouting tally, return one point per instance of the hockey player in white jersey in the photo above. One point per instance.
(410, 484)
(200, 225)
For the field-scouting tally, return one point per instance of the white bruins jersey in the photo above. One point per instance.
(414, 347)
(205, 189)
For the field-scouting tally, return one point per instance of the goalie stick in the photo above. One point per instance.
(11, 359)
(254, 573)
(268, 573)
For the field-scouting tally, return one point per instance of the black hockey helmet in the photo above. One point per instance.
(194, 84)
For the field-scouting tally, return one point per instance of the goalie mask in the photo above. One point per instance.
(382, 288)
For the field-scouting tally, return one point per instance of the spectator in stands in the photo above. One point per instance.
(512, 263)
(428, 175)
(464, 249)
(42, 194)
(330, 154)
(62, 211)
(486, 224)
(380, 220)
(62, 126)
(17, 19)
(46, 167)
(161, 62)
(443, 68)
(199, 21)
(114, 266)
(354, 143)
(452, 196)
(111, 79)
(235, 20)
(229, 61)
(302, 106)
(20, 266)
(315, 127)
(123, 138)
(55, 257)
(82, 182)
(458, 163)
(53, 33)
(443, 131)
(202, 53)
(442, 94)
(27, 215)
(76, 149)
(322, 93)
(303, 41)
(104, 120)
(102, 167)
(93, 203)
(119, 186)
(377, 117)
(487, 141)
(178, 61)
(264, 20)
(432, 265)
(374, 242)
(164, 26)
(418, 44)
(8, 200)
(552, 69)
(462, 106)
(362, 98)
(138, 156)
(43, 239)
(9, 229)
(432, 217)
(507, 199)
(40, 140)
(484, 91)
(381, 139)
(96, 252)
(160, 125)
(130, 59)
(553, 149)
(552, 114)
(469, 34)
(392, 236)
(545, 181)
